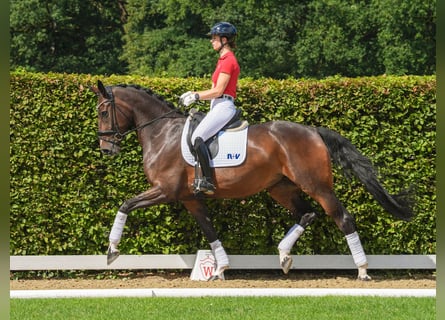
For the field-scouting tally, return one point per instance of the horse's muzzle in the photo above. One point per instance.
(109, 148)
(109, 152)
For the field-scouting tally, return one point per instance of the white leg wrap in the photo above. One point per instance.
(222, 260)
(118, 227)
(358, 254)
(290, 238)
(215, 244)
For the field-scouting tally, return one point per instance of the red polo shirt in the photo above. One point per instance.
(227, 64)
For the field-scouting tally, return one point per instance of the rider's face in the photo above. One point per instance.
(216, 42)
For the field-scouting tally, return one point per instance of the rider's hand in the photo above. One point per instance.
(188, 98)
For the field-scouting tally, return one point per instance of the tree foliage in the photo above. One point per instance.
(67, 35)
(338, 37)
(407, 35)
(277, 38)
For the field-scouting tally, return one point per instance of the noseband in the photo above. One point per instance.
(115, 131)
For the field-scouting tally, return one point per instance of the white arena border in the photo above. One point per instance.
(218, 292)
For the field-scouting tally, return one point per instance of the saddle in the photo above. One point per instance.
(234, 124)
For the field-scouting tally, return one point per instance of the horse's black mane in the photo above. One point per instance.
(149, 92)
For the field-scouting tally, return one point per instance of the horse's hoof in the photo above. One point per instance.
(217, 277)
(286, 263)
(219, 273)
(363, 273)
(111, 256)
(364, 278)
(308, 218)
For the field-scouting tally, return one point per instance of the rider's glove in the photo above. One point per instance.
(188, 98)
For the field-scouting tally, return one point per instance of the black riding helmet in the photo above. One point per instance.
(224, 29)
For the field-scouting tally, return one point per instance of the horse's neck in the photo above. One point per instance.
(148, 111)
(163, 131)
(161, 142)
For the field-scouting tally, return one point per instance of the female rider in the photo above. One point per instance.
(222, 96)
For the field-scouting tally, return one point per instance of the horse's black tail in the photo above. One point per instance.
(345, 154)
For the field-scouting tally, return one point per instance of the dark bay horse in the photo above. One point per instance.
(286, 159)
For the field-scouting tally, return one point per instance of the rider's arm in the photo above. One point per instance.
(216, 91)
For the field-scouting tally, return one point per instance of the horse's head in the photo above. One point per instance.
(123, 109)
(114, 119)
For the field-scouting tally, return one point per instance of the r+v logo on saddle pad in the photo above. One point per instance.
(233, 156)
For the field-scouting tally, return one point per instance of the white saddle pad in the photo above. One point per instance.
(232, 148)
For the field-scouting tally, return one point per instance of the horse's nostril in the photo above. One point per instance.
(106, 151)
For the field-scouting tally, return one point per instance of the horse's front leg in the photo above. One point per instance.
(288, 195)
(200, 213)
(148, 198)
(286, 244)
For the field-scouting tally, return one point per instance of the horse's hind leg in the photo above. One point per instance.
(314, 176)
(287, 194)
(346, 223)
(200, 213)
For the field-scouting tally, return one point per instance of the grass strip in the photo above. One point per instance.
(255, 308)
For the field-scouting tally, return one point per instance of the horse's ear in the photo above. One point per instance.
(95, 90)
(102, 89)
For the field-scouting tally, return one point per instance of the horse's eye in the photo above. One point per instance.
(104, 114)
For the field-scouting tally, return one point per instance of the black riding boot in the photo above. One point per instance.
(203, 183)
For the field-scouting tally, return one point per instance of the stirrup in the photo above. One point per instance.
(204, 186)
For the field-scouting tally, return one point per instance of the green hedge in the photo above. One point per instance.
(64, 193)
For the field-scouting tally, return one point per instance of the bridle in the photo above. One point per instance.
(115, 132)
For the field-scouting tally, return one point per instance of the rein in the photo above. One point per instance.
(149, 122)
(115, 131)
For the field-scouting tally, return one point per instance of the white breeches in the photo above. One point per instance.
(221, 111)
